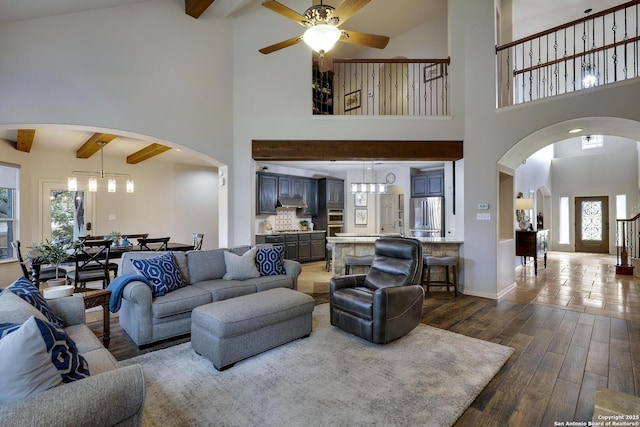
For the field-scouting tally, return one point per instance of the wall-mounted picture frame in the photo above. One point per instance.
(360, 217)
(360, 199)
(433, 71)
(352, 100)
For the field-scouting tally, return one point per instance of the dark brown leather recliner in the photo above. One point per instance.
(386, 303)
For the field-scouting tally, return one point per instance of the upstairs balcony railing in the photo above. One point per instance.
(377, 87)
(597, 49)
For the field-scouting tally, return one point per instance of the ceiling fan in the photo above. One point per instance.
(322, 22)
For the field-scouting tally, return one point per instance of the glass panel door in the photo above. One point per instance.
(592, 224)
(65, 214)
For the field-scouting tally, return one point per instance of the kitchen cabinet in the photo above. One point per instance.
(291, 246)
(304, 247)
(267, 194)
(318, 246)
(290, 186)
(331, 193)
(427, 185)
(310, 196)
(271, 186)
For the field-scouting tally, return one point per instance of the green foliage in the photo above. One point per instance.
(62, 212)
(52, 253)
(6, 203)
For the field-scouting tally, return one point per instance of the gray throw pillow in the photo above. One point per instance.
(241, 267)
(14, 309)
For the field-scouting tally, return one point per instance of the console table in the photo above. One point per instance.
(532, 244)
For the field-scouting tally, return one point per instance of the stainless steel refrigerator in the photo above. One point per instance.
(427, 217)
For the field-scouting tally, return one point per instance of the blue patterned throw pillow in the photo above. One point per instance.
(269, 261)
(28, 292)
(7, 328)
(163, 273)
(35, 357)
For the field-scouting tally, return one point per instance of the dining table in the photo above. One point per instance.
(116, 252)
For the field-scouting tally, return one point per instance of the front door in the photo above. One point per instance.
(592, 224)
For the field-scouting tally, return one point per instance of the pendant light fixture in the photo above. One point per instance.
(72, 181)
(368, 187)
(589, 78)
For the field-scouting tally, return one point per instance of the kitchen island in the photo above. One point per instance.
(363, 244)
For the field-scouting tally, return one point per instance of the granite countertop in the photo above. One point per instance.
(371, 239)
(272, 233)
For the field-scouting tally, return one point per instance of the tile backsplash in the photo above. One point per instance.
(284, 220)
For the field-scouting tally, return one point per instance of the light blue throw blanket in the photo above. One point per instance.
(117, 288)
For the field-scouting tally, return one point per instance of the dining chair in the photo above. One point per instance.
(46, 273)
(144, 243)
(197, 241)
(113, 267)
(91, 263)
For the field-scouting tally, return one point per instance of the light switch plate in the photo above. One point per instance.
(112, 217)
(483, 216)
(483, 206)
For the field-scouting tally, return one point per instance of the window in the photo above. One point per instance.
(563, 235)
(592, 141)
(8, 208)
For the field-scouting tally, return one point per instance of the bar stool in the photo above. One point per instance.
(350, 260)
(446, 262)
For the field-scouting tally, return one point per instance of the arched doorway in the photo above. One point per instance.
(521, 152)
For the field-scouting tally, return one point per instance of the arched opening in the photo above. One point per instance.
(611, 172)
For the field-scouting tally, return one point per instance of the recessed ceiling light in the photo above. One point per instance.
(177, 149)
(575, 130)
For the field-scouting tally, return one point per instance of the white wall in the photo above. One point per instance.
(607, 174)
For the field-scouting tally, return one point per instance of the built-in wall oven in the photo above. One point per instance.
(332, 229)
(335, 216)
(335, 222)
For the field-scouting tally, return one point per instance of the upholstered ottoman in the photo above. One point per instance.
(231, 330)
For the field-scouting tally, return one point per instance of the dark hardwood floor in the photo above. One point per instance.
(561, 356)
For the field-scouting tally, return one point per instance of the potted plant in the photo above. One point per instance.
(51, 253)
(114, 236)
(304, 225)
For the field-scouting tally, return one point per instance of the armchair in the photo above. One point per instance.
(386, 303)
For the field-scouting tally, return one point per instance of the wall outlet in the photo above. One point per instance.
(112, 217)
(483, 216)
(483, 206)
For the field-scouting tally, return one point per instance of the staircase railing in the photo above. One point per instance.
(598, 49)
(627, 243)
(396, 87)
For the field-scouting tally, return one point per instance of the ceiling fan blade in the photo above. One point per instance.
(347, 8)
(284, 11)
(364, 39)
(325, 62)
(281, 45)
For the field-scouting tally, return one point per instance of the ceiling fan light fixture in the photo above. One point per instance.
(322, 37)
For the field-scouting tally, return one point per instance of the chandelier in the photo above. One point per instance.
(590, 78)
(72, 181)
(368, 187)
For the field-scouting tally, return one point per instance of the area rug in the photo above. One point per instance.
(426, 378)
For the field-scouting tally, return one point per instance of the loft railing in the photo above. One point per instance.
(376, 87)
(627, 243)
(598, 49)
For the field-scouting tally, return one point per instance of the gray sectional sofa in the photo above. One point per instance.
(112, 395)
(148, 319)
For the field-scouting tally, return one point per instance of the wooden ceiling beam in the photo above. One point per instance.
(25, 139)
(94, 144)
(146, 153)
(196, 8)
(266, 150)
